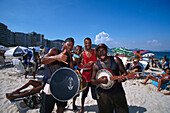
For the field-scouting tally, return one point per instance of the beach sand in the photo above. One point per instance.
(141, 98)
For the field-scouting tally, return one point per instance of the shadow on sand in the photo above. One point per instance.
(91, 108)
(137, 109)
(94, 108)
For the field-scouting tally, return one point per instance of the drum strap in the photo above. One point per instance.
(101, 67)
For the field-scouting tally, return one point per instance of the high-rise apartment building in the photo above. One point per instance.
(5, 35)
(32, 39)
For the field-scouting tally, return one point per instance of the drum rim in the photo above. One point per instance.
(77, 88)
(111, 81)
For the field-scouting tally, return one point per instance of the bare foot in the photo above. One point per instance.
(75, 108)
(167, 93)
(81, 111)
(143, 83)
(9, 96)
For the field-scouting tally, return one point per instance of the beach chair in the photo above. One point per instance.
(29, 102)
(143, 65)
(18, 66)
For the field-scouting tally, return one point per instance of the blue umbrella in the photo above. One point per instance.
(38, 47)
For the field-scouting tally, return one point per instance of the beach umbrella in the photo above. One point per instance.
(38, 48)
(141, 52)
(16, 51)
(148, 55)
(123, 51)
(3, 48)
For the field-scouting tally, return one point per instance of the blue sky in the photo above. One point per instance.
(141, 24)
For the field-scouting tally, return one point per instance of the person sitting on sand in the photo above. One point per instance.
(38, 85)
(135, 67)
(160, 78)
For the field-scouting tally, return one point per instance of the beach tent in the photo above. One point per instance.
(123, 51)
(148, 55)
(16, 51)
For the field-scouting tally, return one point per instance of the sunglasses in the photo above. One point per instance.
(78, 49)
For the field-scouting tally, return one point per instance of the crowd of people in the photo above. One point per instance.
(92, 60)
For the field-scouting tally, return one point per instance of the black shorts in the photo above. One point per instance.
(48, 102)
(93, 91)
(110, 102)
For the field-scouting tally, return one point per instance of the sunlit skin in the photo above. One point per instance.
(106, 63)
(161, 80)
(88, 51)
(77, 51)
(102, 54)
(68, 46)
(53, 55)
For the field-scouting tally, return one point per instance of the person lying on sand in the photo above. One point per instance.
(160, 78)
(38, 85)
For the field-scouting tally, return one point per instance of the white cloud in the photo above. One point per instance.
(154, 43)
(104, 38)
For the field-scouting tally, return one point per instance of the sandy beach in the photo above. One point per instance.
(141, 98)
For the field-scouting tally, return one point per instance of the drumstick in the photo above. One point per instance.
(81, 71)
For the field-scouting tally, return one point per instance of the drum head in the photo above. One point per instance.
(64, 84)
(108, 74)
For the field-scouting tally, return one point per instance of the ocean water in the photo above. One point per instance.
(161, 54)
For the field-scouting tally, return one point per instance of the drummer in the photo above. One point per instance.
(88, 58)
(55, 59)
(113, 98)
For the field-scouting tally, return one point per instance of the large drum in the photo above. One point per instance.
(65, 83)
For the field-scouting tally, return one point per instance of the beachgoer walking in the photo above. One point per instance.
(26, 61)
(34, 60)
